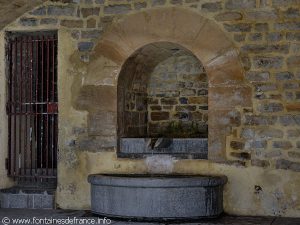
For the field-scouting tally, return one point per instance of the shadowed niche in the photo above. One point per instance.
(162, 96)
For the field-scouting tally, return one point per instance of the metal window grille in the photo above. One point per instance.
(32, 107)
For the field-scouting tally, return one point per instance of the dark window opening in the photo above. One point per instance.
(32, 107)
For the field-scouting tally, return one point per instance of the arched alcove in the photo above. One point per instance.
(163, 97)
(227, 89)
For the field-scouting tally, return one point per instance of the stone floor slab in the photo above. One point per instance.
(225, 220)
(286, 221)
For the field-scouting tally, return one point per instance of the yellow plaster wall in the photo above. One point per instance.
(279, 194)
(4, 180)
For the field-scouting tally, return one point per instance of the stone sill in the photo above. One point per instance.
(195, 148)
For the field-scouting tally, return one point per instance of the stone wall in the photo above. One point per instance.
(162, 91)
(253, 115)
(178, 100)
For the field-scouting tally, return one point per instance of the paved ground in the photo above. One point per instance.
(22, 216)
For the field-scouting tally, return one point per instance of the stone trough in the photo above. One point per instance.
(182, 147)
(157, 197)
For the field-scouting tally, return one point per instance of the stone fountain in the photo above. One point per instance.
(162, 115)
(157, 197)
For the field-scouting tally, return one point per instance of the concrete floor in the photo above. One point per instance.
(9, 216)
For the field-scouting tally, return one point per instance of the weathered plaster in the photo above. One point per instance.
(279, 195)
(251, 190)
(4, 180)
(12, 9)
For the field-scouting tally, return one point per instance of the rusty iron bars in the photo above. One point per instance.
(32, 106)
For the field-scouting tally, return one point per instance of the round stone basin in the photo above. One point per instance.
(157, 197)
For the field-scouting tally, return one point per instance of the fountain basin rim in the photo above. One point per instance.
(156, 180)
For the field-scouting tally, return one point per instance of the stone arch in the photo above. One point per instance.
(228, 90)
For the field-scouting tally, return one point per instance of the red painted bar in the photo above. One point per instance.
(31, 102)
(9, 106)
(21, 108)
(24, 81)
(47, 115)
(14, 105)
(36, 105)
(41, 106)
(53, 100)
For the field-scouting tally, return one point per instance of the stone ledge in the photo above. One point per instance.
(174, 146)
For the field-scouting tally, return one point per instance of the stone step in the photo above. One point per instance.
(27, 198)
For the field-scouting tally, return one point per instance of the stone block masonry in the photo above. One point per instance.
(178, 95)
(269, 43)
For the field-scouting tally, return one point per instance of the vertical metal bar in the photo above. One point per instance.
(20, 105)
(31, 102)
(56, 139)
(9, 106)
(16, 171)
(42, 101)
(47, 115)
(24, 80)
(56, 100)
(53, 101)
(55, 97)
(36, 103)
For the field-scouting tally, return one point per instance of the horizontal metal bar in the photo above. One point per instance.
(31, 103)
(33, 114)
(29, 176)
(34, 40)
